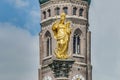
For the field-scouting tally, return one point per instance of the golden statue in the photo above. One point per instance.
(62, 31)
(78, 79)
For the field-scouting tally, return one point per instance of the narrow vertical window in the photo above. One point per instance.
(74, 11)
(49, 12)
(76, 41)
(65, 9)
(74, 44)
(44, 15)
(78, 44)
(57, 11)
(48, 44)
(81, 12)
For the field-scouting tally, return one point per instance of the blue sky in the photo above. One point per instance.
(19, 28)
(19, 42)
(22, 13)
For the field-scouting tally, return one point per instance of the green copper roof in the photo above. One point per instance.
(89, 1)
(43, 1)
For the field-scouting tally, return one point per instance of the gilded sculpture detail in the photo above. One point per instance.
(62, 31)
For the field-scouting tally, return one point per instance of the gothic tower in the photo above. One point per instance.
(80, 39)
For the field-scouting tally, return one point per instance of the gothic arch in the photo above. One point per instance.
(65, 9)
(48, 43)
(77, 31)
(44, 15)
(49, 12)
(76, 41)
(57, 11)
(47, 34)
(81, 11)
(74, 11)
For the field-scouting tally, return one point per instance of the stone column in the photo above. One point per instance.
(89, 67)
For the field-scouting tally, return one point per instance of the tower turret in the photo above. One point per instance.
(80, 38)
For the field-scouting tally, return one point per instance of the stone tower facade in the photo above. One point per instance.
(80, 39)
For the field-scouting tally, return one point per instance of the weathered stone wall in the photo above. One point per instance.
(82, 64)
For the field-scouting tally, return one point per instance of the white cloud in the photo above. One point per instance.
(19, 3)
(104, 22)
(18, 49)
(18, 53)
(34, 16)
(30, 11)
(33, 20)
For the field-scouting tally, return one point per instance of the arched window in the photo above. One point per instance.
(81, 12)
(76, 41)
(74, 11)
(48, 43)
(44, 15)
(49, 12)
(65, 9)
(57, 11)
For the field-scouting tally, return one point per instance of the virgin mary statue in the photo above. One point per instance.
(62, 31)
